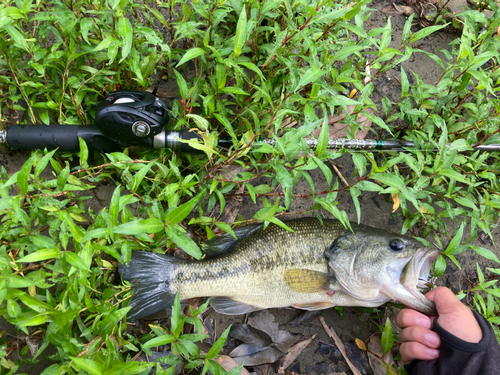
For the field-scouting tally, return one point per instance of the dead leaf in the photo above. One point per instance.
(253, 355)
(405, 10)
(395, 199)
(250, 335)
(265, 369)
(375, 346)
(293, 353)
(398, 9)
(305, 317)
(340, 345)
(264, 321)
(423, 210)
(233, 204)
(228, 363)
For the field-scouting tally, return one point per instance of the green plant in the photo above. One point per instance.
(244, 70)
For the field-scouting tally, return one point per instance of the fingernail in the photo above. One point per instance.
(424, 322)
(432, 353)
(432, 339)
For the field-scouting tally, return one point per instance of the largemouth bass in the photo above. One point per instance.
(319, 265)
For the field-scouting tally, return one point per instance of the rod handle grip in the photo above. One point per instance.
(38, 137)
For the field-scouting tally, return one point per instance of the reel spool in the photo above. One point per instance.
(131, 116)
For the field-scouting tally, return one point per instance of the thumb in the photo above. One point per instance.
(446, 302)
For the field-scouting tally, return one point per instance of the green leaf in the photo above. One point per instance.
(439, 266)
(368, 186)
(389, 179)
(311, 75)
(185, 243)
(176, 319)
(124, 29)
(452, 174)
(387, 337)
(114, 208)
(486, 253)
(404, 83)
(323, 138)
(139, 176)
(76, 261)
(43, 241)
(355, 193)
(84, 153)
(180, 213)
(157, 341)
(407, 29)
(234, 90)
(377, 120)
(191, 54)
(135, 227)
(201, 122)
(181, 82)
(422, 33)
(241, 33)
(17, 37)
(455, 242)
(92, 367)
(16, 281)
(386, 37)
(34, 303)
(344, 52)
(110, 321)
(95, 233)
(219, 344)
(22, 177)
(39, 255)
(40, 166)
(326, 171)
(466, 202)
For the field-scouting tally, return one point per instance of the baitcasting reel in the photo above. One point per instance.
(124, 118)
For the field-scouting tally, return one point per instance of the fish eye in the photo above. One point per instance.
(396, 244)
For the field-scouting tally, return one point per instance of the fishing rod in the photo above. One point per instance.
(136, 118)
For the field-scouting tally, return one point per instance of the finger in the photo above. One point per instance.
(422, 335)
(409, 317)
(415, 350)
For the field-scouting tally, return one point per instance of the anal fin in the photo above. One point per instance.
(227, 306)
(313, 305)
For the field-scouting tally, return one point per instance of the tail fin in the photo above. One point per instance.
(151, 277)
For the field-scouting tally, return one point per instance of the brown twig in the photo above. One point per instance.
(341, 176)
(88, 346)
(340, 345)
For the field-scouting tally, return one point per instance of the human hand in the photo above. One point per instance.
(419, 342)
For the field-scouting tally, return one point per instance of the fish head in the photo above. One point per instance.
(375, 266)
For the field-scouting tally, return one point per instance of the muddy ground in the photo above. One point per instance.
(322, 356)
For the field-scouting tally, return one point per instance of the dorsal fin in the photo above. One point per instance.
(223, 243)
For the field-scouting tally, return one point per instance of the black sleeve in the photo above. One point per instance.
(457, 356)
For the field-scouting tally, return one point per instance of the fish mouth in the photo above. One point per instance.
(415, 275)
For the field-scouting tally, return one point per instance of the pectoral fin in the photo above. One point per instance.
(309, 281)
(227, 306)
